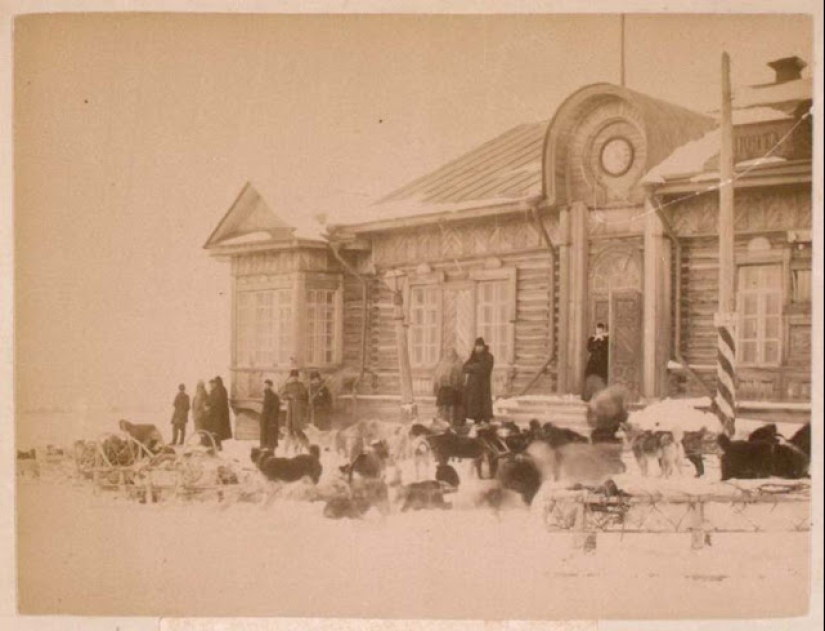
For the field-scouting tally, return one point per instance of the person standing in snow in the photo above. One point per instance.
(180, 417)
(320, 402)
(595, 372)
(270, 421)
(200, 407)
(448, 381)
(297, 397)
(478, 397)
(219, 425)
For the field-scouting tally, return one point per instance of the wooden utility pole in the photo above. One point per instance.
(725, 320)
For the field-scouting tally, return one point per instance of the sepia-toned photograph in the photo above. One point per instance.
(416, 316)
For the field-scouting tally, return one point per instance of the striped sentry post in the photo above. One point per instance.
(726, 372)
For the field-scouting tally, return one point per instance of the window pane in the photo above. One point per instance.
(749, 328)
(773, 303)
(748, 352)
(772, 328)
(750, 304)
(425, 323)
(772, 352)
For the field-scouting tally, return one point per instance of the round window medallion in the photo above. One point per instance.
(617, 156)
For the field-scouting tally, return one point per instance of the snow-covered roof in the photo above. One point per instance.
(689, 158)
(251, 220)
(771, 94)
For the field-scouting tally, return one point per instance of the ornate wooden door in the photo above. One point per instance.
(626, 340)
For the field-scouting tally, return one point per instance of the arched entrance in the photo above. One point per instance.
(616, 300)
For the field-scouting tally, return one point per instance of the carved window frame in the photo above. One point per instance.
(432, 280)
(780, 256)
(323, 281)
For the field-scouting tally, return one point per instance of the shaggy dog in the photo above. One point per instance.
(763, 455)
(519, 473)
(662, 446)
(766, 433)
(288, 469)
(369, 464)
(447, 474)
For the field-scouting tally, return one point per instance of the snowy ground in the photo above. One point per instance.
(85, 554)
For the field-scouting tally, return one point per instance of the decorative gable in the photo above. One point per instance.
(251, 221)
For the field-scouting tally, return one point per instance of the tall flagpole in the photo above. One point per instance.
(622, 60)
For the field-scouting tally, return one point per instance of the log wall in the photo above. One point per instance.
(775, 218)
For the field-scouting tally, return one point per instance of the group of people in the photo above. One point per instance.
(303, 405)
(463, 390)
(210, 412)
(210, 409)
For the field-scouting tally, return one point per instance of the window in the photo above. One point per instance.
(264, 324)
(320, 327)
(493, 316)
(760, 314)
(425, 325)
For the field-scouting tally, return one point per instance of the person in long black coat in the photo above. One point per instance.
(595, 372)
(478, 397)
(219, 412)
(180, 417)
(320, 402)
(270, 426)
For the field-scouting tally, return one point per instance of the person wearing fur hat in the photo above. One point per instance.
(478, 398)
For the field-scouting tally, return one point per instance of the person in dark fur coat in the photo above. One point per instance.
(320, 402)
(219, 425)
(478, 398)
(270, 416)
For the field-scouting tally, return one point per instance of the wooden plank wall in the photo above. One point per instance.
(699, 276)
(536, 328)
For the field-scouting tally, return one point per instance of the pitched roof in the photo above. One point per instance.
(503, 170)
(250, 220)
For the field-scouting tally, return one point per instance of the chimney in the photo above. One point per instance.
(788, 69)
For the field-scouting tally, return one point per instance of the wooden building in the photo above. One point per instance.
(605, 213)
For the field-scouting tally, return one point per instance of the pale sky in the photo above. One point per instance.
(134, 133)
